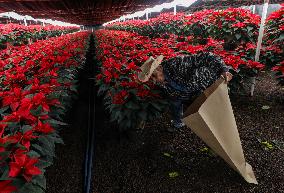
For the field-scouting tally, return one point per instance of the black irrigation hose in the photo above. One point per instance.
(91, 119)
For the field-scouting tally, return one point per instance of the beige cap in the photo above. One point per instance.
(149, 67)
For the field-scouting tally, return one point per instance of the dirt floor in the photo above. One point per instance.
(157, 161)
(66, 174)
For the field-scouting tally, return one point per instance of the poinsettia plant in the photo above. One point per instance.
(17, 34)
(273, 51)
(129, 102)
(36, 88)
(234, 26)
(120, 55)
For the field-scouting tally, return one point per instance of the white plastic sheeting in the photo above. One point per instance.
(157, 8)
(27, 17)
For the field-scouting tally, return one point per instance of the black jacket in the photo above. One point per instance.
(188, 75)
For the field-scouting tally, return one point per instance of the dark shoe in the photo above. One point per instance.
(177, 124)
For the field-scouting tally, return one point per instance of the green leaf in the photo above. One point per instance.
(173, 174)
(267, 145)
(55, 139)
(40, 180)
(205, 149)
(281, 37)
(132, 105)
(238, 36)
(26, 128)
(28, 87)
(265, 107)
(33, 154)
(168, 155)
(30, 188)
(43, 164)
(36, 112)
(48, 146)
(249, 28)
(156, 106)
(39, 149)
(73, 88)
(5, 174)
(56, 122)
(142, 115)
(2, 110)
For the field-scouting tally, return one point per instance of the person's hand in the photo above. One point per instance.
(227, 76)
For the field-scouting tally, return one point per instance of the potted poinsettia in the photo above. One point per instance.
(36, 86)
(128, 101)
(273, 51)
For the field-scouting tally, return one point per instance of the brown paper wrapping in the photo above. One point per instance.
(211, 118)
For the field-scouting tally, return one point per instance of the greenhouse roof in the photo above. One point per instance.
(84, 12)
(93, 12)
(210, 4)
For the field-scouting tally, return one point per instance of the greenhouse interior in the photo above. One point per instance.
(141, 96)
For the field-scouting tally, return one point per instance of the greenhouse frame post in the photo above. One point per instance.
(25, 21)
(259, 41)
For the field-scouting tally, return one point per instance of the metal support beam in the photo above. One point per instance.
(253, 9)
(259, 41)
(147, 15)
(25, 21)
(261, 29)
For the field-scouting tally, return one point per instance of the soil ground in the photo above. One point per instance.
(144, 164)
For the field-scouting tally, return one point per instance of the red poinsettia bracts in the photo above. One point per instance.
(24, 166)
(17, 34)
(7, 187)
(35, 80)
(230, 33)
(273, 50)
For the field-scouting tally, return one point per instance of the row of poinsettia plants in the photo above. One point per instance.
(16, 34)
(121, 53)
(274, 46)
(37, 83)
(236, 28)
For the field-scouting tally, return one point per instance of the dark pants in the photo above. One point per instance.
(177, 109)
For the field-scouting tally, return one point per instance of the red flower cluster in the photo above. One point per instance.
(120, 97)
(232, 24)
(6, 186)
(34, 80)
(273, 51)
(279, 68)
(19, 34)
(121, 52)
(229, 33)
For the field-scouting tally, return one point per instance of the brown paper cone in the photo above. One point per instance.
(211, 118)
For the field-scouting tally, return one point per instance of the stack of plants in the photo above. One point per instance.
(37, 83)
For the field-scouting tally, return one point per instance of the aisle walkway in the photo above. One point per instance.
(66, 175)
